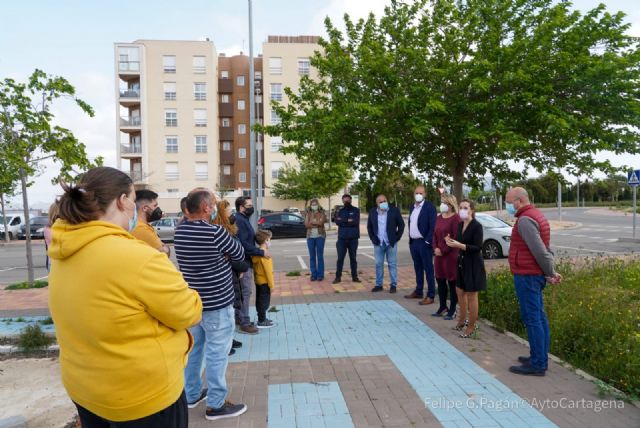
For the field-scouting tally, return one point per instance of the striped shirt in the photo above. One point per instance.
(200, 249)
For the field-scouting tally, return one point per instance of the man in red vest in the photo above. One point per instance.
(531, 262)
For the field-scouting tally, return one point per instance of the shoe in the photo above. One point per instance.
(265, 324)
(459, 327)
(248, 329)
(313, 279)
(228, 410)
(450, 316)
(413, 295)
(356, 279)
(426, 301)
(236, 344)
(233, 351)
(527, 370)
(337, 281)
(440, 312)
(376, 289)
(392, 290)
(319, 279)
(203, 396)
(473, 334)
(524, 360)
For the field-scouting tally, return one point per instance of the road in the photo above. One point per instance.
(595, 234)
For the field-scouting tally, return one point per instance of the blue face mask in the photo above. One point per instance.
(133, 222)
(511, 209)
(384, 206)
(214, 214)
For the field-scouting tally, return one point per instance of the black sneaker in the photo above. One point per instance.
(265, 324)
(236, 344)
(228, 410)
(527, 370)
(336, 281)
(524, 360)
(356, 279)
(392, 290)
(376, 289)
(233, 351)
(203, 396)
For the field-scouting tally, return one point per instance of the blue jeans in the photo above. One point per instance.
(422, 255)
(529, 291)
(380, 251)
(316, 257)
(211, 336)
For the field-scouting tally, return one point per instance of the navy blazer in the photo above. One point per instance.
(426, 222)
(395, 226)
(247, 238)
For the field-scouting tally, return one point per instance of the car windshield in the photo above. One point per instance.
(41, 221)
(491, 222)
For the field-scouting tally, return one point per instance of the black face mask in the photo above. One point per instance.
(347, 203)
(155, 215)
(232, 219)
(249, 211)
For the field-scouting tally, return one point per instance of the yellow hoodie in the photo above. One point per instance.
(121, 311)
(263, 270)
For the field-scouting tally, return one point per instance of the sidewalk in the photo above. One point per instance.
(341, 356)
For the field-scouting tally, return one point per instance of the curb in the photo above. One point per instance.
(10, 349)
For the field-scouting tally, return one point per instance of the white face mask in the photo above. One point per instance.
(463, 213)
(268, 244)
(419, 198)
(444, 208)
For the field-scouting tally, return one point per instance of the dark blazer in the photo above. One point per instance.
(348, 221)
(247, 237)
(471, 273)
(395, 226)
(426, 221)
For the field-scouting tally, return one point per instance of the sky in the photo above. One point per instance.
(75, 39)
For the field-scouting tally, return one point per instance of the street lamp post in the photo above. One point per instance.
(259, 149)
(252, 134)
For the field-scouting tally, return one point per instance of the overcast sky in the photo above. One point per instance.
(75, 39)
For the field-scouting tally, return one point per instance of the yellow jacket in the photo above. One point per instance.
(121, 311)
(263, 271)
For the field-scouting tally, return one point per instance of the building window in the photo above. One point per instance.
(257, 75)
(242, 177)
(224, 98)
(169, 91)
(171, 143)
(241, 105)
(169, 63)
(199, 64)
(240, 80)
(226, 170)
(200, 117)
(303, 66)
(224, 74)
(200, 91)
(275, 65)
(226, 146)
(226, 122)
(276, 91)
(202, 171)
(275, 118)
(242, 153)
(170, 117)
(276, 144)
(201, 144)
(242, 128)
(276, 168)
(173, 193)
(171, 171)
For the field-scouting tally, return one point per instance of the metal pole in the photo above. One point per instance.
(252, 134)
(635, 189)
(259, 147)
(559, 200)
(578, 193)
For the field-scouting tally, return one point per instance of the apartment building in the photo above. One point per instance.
(167, 121)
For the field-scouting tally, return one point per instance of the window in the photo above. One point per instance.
(303, 66)
(173, 193)
(200, 91)
(169, 63)
(171, 143)
(128, 59)
(242, 129)
(224, 98)
(201, 144)
(275, 65)
(275, 118)
(226, 146)
(276, 91)
(224, 74)
(240, 80)
(276, 144)
(170, 117)
(226, 122)
(242, 153)
(276, 167)
(257, 75)
(169, 91)
(241, 104)
(171, 171)
(200, 117)
(202, 170)
(242, 177)
(226, 170)
(199, 64)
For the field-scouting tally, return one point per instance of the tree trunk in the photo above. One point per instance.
(27, 226)
(458, 181)
(4, 220)
(329, 213)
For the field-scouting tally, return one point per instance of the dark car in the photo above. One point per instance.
(283, 225)
(37, 225)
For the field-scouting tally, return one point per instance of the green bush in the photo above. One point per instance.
(32, 338)
(293, 273)
(25, 285)
(593, 315)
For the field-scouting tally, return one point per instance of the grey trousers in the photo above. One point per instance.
(246, 284)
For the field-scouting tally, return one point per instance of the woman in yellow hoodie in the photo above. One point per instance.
(121, 310)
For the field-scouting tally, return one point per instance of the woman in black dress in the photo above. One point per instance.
(472, 277)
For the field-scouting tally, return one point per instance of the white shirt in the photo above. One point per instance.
(414, 233)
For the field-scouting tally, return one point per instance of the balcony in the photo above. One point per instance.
(225, 109)
(130, 150)
(130, 97)
(225, 86)
(128, 69)
(138, 177)
(226, 133)
(130, 123)
(227, 181)
(227, 157)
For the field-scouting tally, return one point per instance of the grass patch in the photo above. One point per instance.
(46, 321)
(25, 285)
(593, 317)
(273, 309)
(293, 273)
(32, 338)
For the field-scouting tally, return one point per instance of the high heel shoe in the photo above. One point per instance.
(473, 334)
(459, 327)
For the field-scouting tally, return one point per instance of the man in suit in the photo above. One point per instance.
(348, 221)
(385, 227)
(422, 222)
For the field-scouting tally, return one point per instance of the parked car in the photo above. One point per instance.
(37, 228)
(497, 236)
(166, 228)
(14, 222)
(283, 225)
(291, 210)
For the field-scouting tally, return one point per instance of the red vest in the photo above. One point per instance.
(521, 261)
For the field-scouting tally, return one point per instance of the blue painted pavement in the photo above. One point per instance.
(14, 326)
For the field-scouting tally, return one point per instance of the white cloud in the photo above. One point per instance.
(336, 9)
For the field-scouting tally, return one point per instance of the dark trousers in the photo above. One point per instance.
(263, 300)
(174, 416)
(344, 245)
(422, 256)
(447, 287)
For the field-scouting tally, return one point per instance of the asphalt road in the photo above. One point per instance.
(594, 234)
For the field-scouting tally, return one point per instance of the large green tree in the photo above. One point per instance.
(30, 135)
(461, 89)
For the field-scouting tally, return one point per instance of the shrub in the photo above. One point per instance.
(25, 285)
(293, 273)
(32, 338)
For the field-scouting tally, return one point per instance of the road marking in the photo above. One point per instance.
(44, 277)
(303, 265)
(372, 257)
(579, 236)
(611, 239)
(12, 268)
(586, 249)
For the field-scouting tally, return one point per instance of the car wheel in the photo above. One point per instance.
(491, 250)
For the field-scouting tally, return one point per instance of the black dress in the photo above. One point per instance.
(471, 273)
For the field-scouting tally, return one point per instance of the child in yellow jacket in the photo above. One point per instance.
(263, 277)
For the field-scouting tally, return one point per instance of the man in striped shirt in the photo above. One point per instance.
(203, 251)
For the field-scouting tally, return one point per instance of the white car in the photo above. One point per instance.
(14, 222)
(497, 236)
(166, 228)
